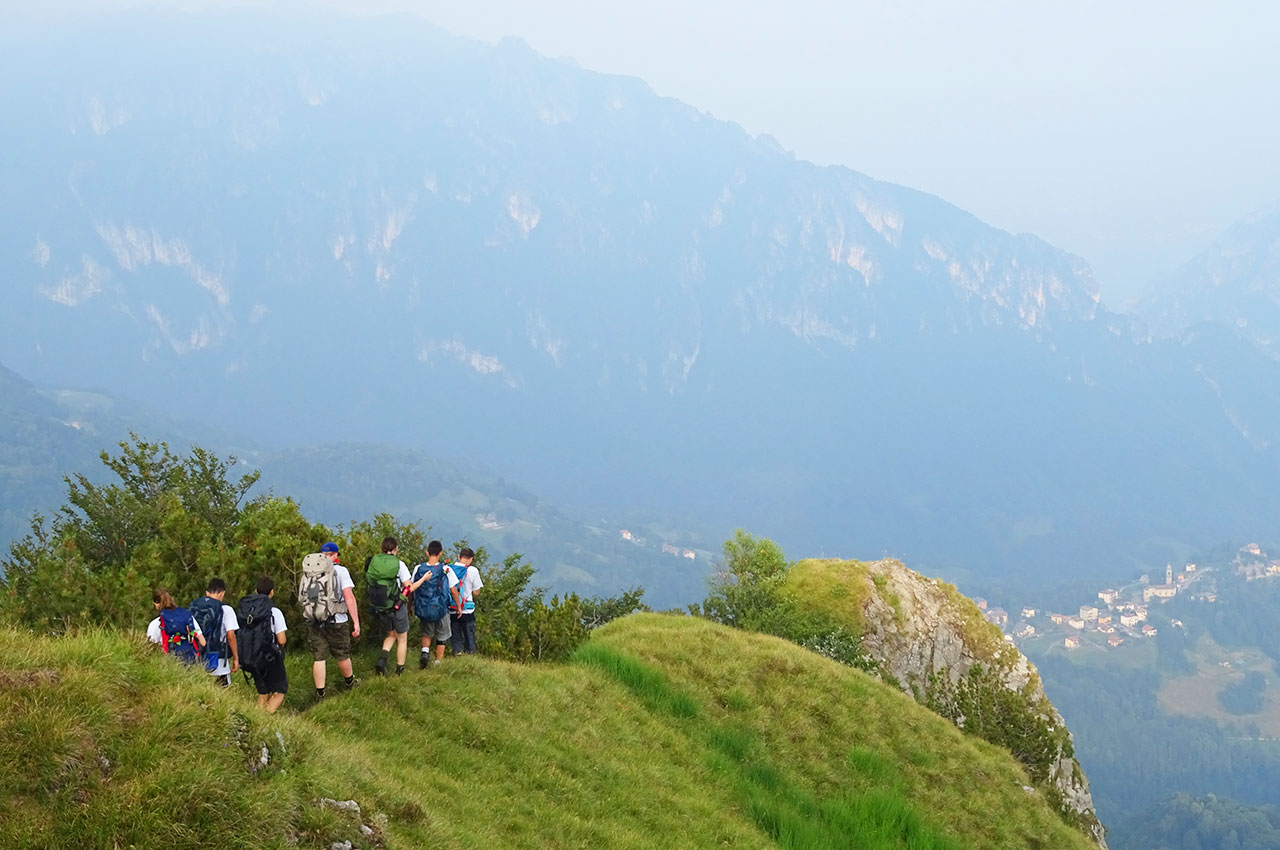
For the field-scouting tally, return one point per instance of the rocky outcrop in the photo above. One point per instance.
(922, 635)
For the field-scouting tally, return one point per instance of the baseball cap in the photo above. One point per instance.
(329, 547)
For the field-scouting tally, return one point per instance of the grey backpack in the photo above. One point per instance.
(318, 592)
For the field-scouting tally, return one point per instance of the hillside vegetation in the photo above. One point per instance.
(922, 635)
(661, 730)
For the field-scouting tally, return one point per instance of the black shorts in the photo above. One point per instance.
(273, 680)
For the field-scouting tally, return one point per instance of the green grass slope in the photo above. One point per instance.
(664, 731)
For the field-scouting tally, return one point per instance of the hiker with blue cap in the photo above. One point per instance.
(327, 596)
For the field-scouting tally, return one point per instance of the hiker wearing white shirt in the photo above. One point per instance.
(387, 583)
(262, 639)
(464, 624)
(332, 636)
(217, 621)
(175, 630)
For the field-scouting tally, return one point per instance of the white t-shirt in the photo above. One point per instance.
(449, 578)
(277, 621)
(403, 575)
(229, 624)
(468, 583)
(344, 583)
(154, 635)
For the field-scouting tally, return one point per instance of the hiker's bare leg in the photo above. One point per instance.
(274, 702)
(317, 673)
(388, 640)
(439, 651)
(262, 701)
(402, 648)
(344, 667)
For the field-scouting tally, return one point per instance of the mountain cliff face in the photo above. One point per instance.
(936, 645)
(1235, 282)
(609, 296)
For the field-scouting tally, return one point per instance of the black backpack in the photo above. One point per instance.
(208, 614)
(256, 639)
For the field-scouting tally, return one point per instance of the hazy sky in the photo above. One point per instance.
(1131, 133)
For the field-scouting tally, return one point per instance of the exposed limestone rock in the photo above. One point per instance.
(934, 643)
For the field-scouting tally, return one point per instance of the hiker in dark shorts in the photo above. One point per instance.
(464, 622)
(387, 585)
(262, 640)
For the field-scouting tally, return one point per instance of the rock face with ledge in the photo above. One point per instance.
(923, 636)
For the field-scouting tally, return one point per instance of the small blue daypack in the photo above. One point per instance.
(431, 599)
(178, 633)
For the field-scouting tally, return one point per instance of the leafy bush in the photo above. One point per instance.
(174, 521)
(982, 706)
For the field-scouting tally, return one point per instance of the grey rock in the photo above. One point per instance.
(923, 633)
(341, 805)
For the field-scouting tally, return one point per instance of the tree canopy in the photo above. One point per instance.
(174, 520)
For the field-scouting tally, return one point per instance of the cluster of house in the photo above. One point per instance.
(1253, 564)
(1112, 616)
(667, 548)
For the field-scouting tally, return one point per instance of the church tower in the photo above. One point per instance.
(1168, 573)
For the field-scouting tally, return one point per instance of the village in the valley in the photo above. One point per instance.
(1120, 614)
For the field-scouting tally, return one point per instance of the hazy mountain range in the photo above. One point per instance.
(366, 229)
(1235, 282)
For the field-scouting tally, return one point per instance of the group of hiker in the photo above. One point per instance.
(250, 637)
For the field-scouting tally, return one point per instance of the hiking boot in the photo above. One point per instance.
(422, 662)
(346, 686)
(381, 669)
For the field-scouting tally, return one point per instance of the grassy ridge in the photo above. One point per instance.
(664, 731)
(790, 814)
(814, 717)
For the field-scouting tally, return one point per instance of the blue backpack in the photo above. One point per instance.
(178, 633)
(431, 599)
(207, 612)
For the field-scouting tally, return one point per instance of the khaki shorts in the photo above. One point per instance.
(330, 639)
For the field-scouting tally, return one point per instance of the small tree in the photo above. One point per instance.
(745, 591)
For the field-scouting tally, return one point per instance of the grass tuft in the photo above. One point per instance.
(649, 685)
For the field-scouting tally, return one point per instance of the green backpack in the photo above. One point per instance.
(382, 583)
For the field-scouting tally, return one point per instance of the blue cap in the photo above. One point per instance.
(329, 547)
